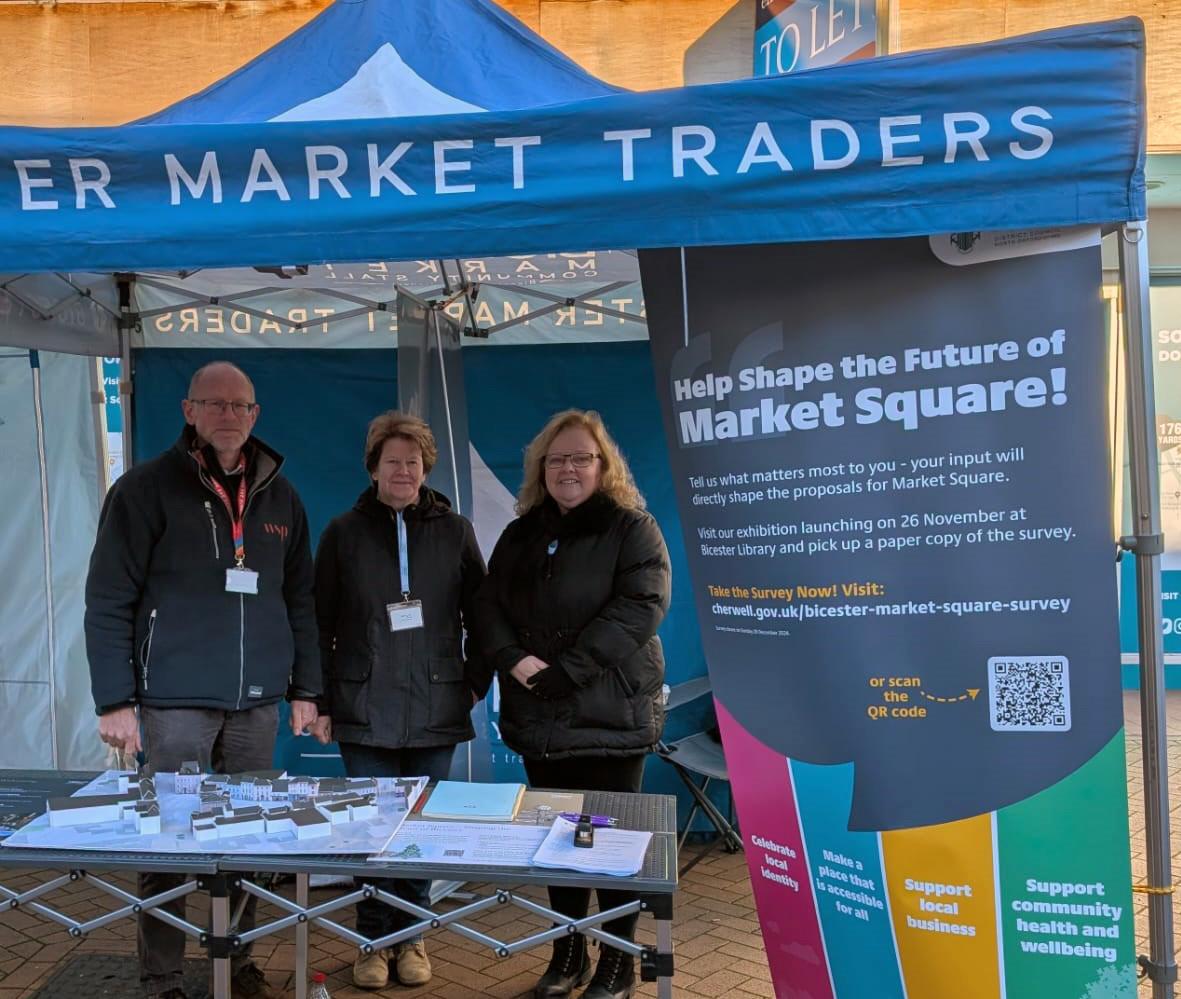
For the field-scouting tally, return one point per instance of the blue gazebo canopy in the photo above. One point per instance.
(1045, 130)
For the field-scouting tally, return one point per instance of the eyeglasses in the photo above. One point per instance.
(219, 406)
(579, 459)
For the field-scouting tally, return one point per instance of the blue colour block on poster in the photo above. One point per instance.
(848, 877)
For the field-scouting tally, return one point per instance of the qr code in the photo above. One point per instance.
(1029, 693)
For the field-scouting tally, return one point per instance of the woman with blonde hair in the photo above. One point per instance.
(577, 586)
(396, 577)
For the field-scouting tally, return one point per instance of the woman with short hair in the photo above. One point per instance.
(396, 577)
(577, 586)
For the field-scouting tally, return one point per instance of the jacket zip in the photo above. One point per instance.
(213, 530)
(242, 610)
(241, 647)
(147, 649)
(203, 476)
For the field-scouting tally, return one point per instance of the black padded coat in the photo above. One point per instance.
(584, 592)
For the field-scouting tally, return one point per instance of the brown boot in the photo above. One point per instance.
(372, 971)
(414, 967)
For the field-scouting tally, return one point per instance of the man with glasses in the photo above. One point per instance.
(200, 619)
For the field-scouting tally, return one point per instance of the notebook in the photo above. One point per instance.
(453, 799)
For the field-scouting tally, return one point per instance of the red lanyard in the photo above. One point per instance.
(237, 522)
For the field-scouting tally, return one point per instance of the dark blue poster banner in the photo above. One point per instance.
(891, 461)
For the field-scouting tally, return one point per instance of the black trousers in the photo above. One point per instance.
(374, 917)
(590, 773)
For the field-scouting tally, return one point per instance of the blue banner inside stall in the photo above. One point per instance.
(316, 405)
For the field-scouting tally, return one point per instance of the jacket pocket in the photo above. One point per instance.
(605, 704)
(213, 529)
(450, 702)
(350, 687)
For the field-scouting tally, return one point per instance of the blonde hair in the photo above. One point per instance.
(615, 478)
(392, 424)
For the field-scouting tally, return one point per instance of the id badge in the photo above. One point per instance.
(241, 581)
(404, 616)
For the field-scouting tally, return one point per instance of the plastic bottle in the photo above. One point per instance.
(319, 986)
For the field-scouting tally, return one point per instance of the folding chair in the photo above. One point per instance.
(695, 758)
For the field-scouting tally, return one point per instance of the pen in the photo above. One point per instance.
(596, 820)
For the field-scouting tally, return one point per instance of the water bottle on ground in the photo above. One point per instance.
(319, 988)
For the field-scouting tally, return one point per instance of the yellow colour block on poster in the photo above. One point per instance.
(942, 891)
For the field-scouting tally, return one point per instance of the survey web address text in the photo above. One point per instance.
(907, 608)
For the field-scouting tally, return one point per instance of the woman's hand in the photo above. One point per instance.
(321, 730)
(528, 668)
(553, 683)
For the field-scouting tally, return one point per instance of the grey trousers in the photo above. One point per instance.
(222, 742)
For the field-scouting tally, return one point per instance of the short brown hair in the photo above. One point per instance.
(393, 423)
(615, 478)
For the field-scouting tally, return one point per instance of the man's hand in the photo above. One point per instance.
(322, 729)
(526, 669)
(303, 715)
(120, 729)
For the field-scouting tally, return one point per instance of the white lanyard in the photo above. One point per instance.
(403, 555)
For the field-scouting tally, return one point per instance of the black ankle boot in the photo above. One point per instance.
(569, 967)
(615, 976)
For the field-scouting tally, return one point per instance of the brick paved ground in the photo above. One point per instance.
(716, 934)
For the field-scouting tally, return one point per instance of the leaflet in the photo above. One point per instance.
(619, 852)
(497, 845)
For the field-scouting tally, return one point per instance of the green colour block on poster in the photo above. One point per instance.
(1066, 901)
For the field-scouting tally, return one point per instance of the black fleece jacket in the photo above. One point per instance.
(160, 627)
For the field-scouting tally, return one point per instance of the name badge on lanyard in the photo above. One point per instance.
(407, 614)
(239, 579)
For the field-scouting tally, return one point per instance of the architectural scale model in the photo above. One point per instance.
(306, 806)
(263, 811)
(136, 800)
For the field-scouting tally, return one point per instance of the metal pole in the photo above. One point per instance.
(219, 903)
(126, 322)
(302, 882)
(47, 553)
(447, 412)
(1146, 543)
(98, 400)
(434, 321)
(664, 945)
